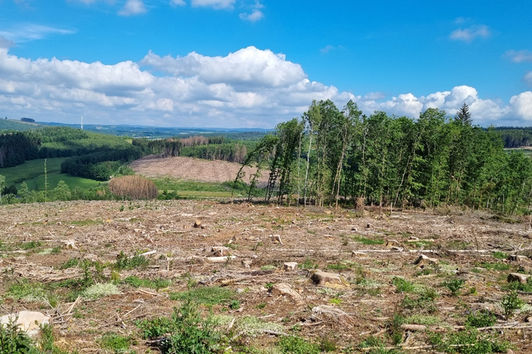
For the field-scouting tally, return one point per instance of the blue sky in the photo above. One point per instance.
(254, 63)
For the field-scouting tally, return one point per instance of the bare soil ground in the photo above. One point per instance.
(366, 249)
(189, 168)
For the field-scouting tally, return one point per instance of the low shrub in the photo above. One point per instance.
(185, 332)
(483, 318)
(125, 262)
(14, 340)
(511, 302)
(454, 285)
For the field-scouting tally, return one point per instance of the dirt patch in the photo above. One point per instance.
(368, 252)
(189, 168)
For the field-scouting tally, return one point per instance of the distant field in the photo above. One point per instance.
(32, 172)
(187, 168)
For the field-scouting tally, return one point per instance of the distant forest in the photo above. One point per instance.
(328, 156)
(99, 156)
(333, 156)
(515, 137)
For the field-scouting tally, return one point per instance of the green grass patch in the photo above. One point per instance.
(125, 262)
(422, 319)
(30, 245)
(367, 241)
(402, 285)
(458, 245)
(297, 345)
(423, 302)
(500, 255)
(32, 172)
(206, 295)
(71, 263)
(469, 341)
(116, 342)
(340, 266)
(29, 292)
(308, 264)
(494, 266)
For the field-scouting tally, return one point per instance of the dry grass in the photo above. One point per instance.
(133, 187)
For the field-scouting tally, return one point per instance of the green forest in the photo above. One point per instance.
(329, 156)
(341, 156)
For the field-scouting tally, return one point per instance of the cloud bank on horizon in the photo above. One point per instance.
(246, 88)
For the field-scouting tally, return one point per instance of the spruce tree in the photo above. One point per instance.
(463, 115)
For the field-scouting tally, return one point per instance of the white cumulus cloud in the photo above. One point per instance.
(133, 7)
(177, 2)
(250, 87)
(519, 56)
(528, 78)
(246, 67)
(522, 105)
(215, 4)
(255, 14)
(470, 33)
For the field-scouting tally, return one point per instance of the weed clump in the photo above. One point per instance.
(125, 262)
(454, 285)
(155, 327)
(424, 302)
(402, 285)
(185, 332)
